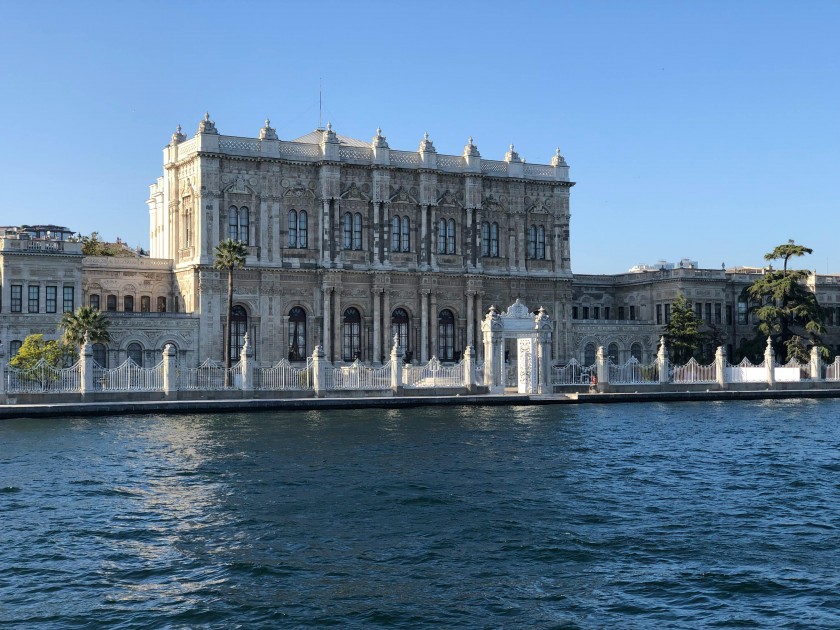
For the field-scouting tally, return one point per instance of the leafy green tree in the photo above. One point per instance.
(230, 255)
(85, 320)
(787, 311)
(57, 354)
(93, 245)
(682, 332)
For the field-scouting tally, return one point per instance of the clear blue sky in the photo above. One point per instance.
(708, 130)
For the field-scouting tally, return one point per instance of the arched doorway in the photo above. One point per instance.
(297, 334)
(135, 353)
(446, 335)
(238, 328)
(351, 348)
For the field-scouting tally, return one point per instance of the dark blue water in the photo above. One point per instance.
(631, 516)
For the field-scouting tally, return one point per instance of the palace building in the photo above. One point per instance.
(350, 243)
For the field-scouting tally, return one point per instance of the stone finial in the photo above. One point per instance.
(207, 125)
(426, 145)
(268, 132)
(470, 149)
(512, 156)
(558, 160)
(379, 141)
(178, 136)
(396, 341)
(329, 134)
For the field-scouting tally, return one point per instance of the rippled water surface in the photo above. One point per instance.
(632, 516)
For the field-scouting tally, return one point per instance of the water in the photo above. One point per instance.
(633, 516)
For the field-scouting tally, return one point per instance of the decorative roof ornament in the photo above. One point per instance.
(558, 160)
(329, 134)
(379, 141)
(470, 149)
(426, 144)
(178, 136)
(207, 125)
(512, 156)
(268, 132)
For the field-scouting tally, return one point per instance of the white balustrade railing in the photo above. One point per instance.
(693, 372)
(358, 376)
(633, 373)
(42, 377)
(572, 373)
(494, 167)
(832, 371)
(210, 375)
(187, 146)
(284, 376)
(745, 372)
(434, 374)
(479, 374)
(793, 364)
(450, 162)
(539, 170)
(300, 151)
(128, 377)
(361, 154)
(404, 158)
(231, 144)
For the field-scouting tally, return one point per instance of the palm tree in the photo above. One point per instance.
(85, 321)
(229, 254)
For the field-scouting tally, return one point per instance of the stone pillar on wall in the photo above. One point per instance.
(386, 240)
(376, 259)
(602, 368)
(720, 367)
(377, 327)
(424, 326)
(494, 356)
(815, 364)
(319, 371)
(470, 317)
(86, 367)
(770, 363)
(424, 246)
(433, 318)
(433, 237)
(397, 354)
(2, 372)
(544, 328)
(469, 368)
(326, 348)
(386, 316)
(170, 382)
(662, 361)
(246, 364)
(324, 224)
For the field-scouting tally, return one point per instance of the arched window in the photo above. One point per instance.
(293, 225)
(352, 334)
(406, 231)
(399, 327)
(589, 354)
(128, 303)
(297, 334)
(233, 223)
(238, 328)
(135, 353)
(450, 237)
(161, 304)
(145, 303)
(111, 301)
(532, 241)
(100, 355)
(357, 231)
(441, 240)
(303, 230)
(494, 240)
(347, 230)
(636, 351)
(14, 348)
(243, 225)
(541, 242)
(395, 233)
(446, 335)
(485, 239)
(612, 351)
(94, 301)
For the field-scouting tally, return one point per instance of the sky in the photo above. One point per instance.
(702, 130)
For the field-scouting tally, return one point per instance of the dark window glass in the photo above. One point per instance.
(351, 337)
(494, 240)
(406, 231)
(69, 299)
(111, 302)
(574, 312)
(233, 223)
(632, 312)
(621, 313)
(161, 304)
(51, 299)
(145, 304)
(34, 298)
(128, 303)
(541, 243)
(14, 348)
(94, 301)
(243, 225)
(589, 354)
(636, 351)
(399, 327)
(303, 230)
(17, 298)
(441, 244)
(585, 312)
(297, 334)
(238, 328)
(357, 231)
(100, 355)
(612, 351)
(135, 353)
(446, 335)
(485, 239)
(293, 219)
(347, 225)
(532, 241)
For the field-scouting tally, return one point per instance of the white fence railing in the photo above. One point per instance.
(832, 371)
(572, 373)
(210, 375)
(283, 376)
(358, 376)
(633, 373)
(434, 374)
(128, 377)
(42, 377)
(693, 372)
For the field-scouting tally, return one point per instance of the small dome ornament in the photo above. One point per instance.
(268, 132)
(329, 134)
(426, 145)
(207, 125)
(178, 136)
(470, 150)
(512, 155)
(558, 159)
(379, 141)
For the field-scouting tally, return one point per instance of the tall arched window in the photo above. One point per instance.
(494, 240)
(128, 303)
(233, 223)
(161, 304)
(293, 225)
(297, 334)
(441, 240)
(636, 351)
(351, 335)
(14, 348)
(532, 241)
(541, 242)
(450, 237)
(145, 303)
(406, 231)
(347, 230)
(303, 230)
(243, 225)
(111, 303)
(400, 234)
(485, 239)
(357, 231)
(612, 351)
(238, 328)
(135, 353)
(399, 327)
(589, 354)
(446, 335)
(94, 301)
(100, 355)
(395, 233)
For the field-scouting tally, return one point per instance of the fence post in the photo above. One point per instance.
(86, 367)
(318, 371)
(814, 370)
(720, 367)
(662, 361)
(397, 354)
(169, 383)
(246, 365)
(469, 368)
(602, 368)
(770, 363)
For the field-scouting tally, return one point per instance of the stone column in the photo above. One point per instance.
(470, 317)
(170, 382)
(319, 382)
(337, 236)
(376, 259)
(377, 327)
(386, 317)
(662, 361)
(770, 363)
(2, 373)
(424, 326)
(433, 237)
(397, 354)
(815, 366)
(602, 368)
(246, 365)
(433, 338)
(386, 241)
(86, 367)
(424, 232)
(324, 221)
(327, 340)
(469, 368)
(720, 367)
